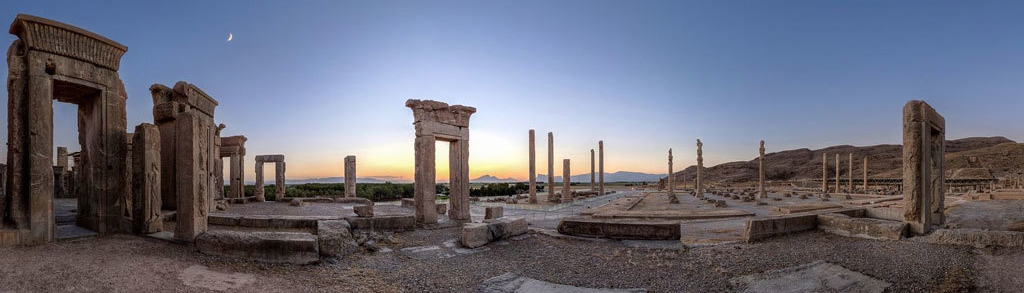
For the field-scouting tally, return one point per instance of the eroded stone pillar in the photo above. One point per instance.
(600, 167)
(924, 148)
(146, 216)
(350, 176)
(668, 180)
(237, 172)
(700, 167)
(837, 173)
(865, 187)
(761, 192)
(592, 170)
(824, 173)
(192, 193)
(280, 183)
(566, 182)
(458, 172)
(533, 168)
(849, 175)
(551, 166)
(258, 190)
(425, 186)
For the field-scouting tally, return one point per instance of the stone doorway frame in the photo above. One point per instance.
(51, 61)
(924, 148)
(234, 147)
(279, 178)
(435, 121)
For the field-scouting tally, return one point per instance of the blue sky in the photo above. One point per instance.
(318, 80)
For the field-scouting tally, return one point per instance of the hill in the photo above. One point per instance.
(999, 154)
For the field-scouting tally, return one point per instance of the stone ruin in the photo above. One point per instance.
(51, 61)
(924, 148)
(233, 147)
(438, 121)
(279, 179)
(350, 176)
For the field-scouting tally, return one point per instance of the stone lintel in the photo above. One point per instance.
(188, 93)
(37, 33)
(427, 110)
(920, 111)
(269, 158)
(441, 131)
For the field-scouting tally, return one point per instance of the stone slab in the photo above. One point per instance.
(384, 223)
(807, 207)
(620, 228)
(867, 228)
(479, 234)
(757, 229)
(818, 276)
(511, 283)
(335, 238)
(273, 247)
(976, 237)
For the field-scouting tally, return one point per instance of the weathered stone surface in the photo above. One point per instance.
(566, 182)
(761, 192)
(600, 168)
(533, 168)
(700, 167)
(439, 121)
(146, 207)
(233, 147)
(868, 228)
(479, 234)
(192, 190)
(758, 229)
(279, 176)
(383, 223)
(56, 61)
(619, 228)
(510, 282)
(408, 202)
(977, 237)
(551, 167)
(493, 213)
(273, 247)
(335, 238)
(924, 137)
(818, 276)
(350, 176)
(442, 209)
(363, 211)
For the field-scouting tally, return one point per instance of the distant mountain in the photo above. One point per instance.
(492, 179)
(998, 154)
(621, 176)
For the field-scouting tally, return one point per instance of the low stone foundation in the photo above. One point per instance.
(867, 228)
(479, 234)
(620, 228)
(383, 223)
(976, 237)
(274, 247)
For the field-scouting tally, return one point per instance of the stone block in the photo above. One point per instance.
(273, 247)
(363, 211)
(383, 223)
(479, 234)
(493, 213)
(146, 198)
(335, 238)
(442, 209)
(868, 228)
(409, 202)
(619, 228)
(757, 229)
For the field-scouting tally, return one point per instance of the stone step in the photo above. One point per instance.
(72, 232)
(273, 247)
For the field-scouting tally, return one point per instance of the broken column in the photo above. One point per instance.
(837, 173)
(824, 173)
(439, 121)
(551, 166)
(761, 193)
(533, 168)
(566, 182)
(668, 180)
(865, 187)
(350, 176)
(700, 166)
(146, 215)
(924, 148)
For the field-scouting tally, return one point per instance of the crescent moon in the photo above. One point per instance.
(230, 37)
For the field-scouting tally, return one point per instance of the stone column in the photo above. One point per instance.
(761, 193)
(566, 182)
(592, 170)
(923, 166)
(425, 186)
(237, 189)
(837, 173)
(62, 158)
(258, 190)
(279, 179)
(146, 216)
(193, 207)
(824, 173)
(551, 166)
(533, 168)
(600, 167)
(668, 180)
(700, 167)
(849, 175)
(350, 176)
(458, 162)
(865, 187)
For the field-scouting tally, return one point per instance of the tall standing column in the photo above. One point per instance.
(350, 176)
(533, 168)
(824, 173)
(849, 175)
(424, 188)
(551, 166)
(761, 193)
(566, 182)
(865, 187)
(258, 189)
(670, 181)
(837, 173)
(279, 179)
(600, 167)
(237, 175)
(592, 170)
(700, 167)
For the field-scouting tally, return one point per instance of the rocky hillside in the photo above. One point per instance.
(999, 154)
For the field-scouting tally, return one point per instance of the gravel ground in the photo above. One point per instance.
(125, 263)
